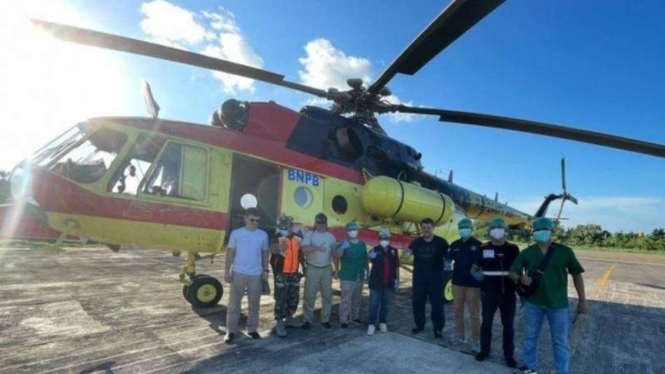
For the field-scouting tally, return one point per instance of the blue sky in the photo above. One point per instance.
(573, 63)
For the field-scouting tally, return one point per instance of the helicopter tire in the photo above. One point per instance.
(448, 287)
(204, 291)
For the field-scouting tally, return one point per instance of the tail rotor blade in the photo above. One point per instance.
(563, 173)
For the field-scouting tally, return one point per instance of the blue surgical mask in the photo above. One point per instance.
(542, 236)
(283, 232)
(465, 233)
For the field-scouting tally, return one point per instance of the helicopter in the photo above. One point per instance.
(182, 187)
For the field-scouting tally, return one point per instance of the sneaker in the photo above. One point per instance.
(383, 327)
(459, 340)
(416, 330)
(280, 329)
(370, 330)
(438, 334)
(228, 338)
(510, 362)
(326, 325)
(481, 356)
(292, 322)
(344, 325)
(306, 326)
(525, 370)
(254, 335)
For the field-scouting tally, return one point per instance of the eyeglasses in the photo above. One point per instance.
(255, 220)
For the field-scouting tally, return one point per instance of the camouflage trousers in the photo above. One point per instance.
(287, 294)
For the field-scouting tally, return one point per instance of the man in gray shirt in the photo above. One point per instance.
(246, 267)
(318, 249)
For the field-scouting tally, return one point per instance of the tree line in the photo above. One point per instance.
(590, 235)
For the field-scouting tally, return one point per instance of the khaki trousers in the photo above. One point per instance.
(254, 287)
(351, 296)
(470, 297)
(318, 279)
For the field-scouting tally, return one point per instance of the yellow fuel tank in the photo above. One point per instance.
(390, 198)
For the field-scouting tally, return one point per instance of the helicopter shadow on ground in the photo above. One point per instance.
(613, 338)
(106, 367)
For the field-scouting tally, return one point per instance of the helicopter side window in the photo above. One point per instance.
(139, 160)
(89, 161)
(181, 172)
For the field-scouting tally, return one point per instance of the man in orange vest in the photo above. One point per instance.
(286, 261)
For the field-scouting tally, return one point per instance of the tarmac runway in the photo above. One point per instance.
(95, 311)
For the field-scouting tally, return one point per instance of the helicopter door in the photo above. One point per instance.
(254, 183)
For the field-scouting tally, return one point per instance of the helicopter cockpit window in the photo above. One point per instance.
(88, 161)
(181, 171)
(128, 177)
(55, 148)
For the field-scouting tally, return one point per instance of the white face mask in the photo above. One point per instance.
(384, 243)
(353, 234)
(497, 233)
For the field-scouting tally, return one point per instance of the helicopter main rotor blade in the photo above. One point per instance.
(456, 19)
(119, 43)
(540, 128)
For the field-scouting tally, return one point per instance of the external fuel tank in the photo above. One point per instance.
(390, 198)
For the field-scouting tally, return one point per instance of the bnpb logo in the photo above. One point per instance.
(304, 177)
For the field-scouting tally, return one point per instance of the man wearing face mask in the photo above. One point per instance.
(318, 247)
(383, 281)
(466, 289)
(429, 253)
(352, 254)
(492, 269)
(550, 299)
(286, 260)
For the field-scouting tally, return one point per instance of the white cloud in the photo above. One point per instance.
(215, 34)
(167, 22)
(613, 213)
(326, 66)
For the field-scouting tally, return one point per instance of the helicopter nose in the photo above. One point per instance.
(20, 184)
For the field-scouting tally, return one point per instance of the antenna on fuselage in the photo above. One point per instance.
(150, 103)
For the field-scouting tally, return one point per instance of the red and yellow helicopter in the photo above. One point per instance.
(182, 187)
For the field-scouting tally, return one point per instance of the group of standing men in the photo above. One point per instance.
(484, 274)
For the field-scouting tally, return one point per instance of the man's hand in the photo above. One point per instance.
(526, 279)
(408, 253)
(581, 307)
(335, 275)
(265, 276)
(228, 277)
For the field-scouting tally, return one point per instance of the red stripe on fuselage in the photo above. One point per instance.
(268, 127)
(73, 199)
(372, 237)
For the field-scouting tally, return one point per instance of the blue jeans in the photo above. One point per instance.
(559, 327)
(379, 299)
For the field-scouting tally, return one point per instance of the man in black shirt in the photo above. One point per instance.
(466, 289)
(492, 268)
(429, 253)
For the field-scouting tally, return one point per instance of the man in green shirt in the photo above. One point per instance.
(551, 297)
(353, 255)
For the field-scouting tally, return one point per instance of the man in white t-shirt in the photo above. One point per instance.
(318, 248)
(246, 267)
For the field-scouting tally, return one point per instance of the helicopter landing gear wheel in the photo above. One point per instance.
(448, 288)
(204, 291)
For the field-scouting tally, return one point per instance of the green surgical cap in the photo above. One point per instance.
(465, 223)
(498, 222)
(543, 223)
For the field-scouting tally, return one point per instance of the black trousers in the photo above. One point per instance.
(506, 303)
(428, 285)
